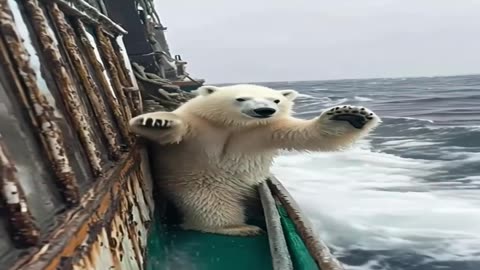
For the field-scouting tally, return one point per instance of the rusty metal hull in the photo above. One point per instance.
(109, 228)
(75, 191)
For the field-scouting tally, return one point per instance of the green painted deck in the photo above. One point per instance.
(170, 247)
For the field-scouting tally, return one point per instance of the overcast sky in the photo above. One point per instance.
(288, 40)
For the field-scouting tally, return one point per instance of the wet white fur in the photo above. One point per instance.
(211, 156)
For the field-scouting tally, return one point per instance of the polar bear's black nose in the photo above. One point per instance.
(264, 111)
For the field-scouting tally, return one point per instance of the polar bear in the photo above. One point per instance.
(212, 152)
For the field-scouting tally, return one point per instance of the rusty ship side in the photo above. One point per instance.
(75, 185)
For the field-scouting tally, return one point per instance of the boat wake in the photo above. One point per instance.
(406, 199)
(380, 206)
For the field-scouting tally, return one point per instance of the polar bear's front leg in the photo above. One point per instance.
(161, 127)
(334, 129)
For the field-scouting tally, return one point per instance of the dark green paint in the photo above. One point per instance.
(170, 247)
(301, 258)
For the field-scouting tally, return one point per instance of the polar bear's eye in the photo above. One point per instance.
(240, 99)
(277, 101)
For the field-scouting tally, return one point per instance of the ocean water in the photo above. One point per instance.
(406, 197)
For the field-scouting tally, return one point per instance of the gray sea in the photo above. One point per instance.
(408, 196)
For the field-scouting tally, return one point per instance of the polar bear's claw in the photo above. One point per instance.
(155, 123)
(358, 117)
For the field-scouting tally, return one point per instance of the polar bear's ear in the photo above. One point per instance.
(289, 94)
(206, 90)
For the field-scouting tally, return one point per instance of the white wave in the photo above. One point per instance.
(323, 102)
(473, 178)
(369, 265)
(462, 157)
(306, 96)
(471, 128)
(358, 98)
(407, 143)
(336, 102)
(326, 101)
(351, 198)
(409, 118)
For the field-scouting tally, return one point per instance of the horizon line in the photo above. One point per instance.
(347, 79)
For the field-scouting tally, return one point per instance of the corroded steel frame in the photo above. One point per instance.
(87, 13)
(132, 93)
(108, 230)
(39, 110)
(99, 68)
(65, 83)
(136, 95)
(67, 36)
(106, 227)
(22, 225)
(109, 55)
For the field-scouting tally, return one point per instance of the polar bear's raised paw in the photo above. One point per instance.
(358, 117)
(161, 127)
(152, 122)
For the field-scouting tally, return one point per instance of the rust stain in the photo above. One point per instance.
(67, 36)
(89, 16)
(119, 64)
(135, 98)
(123, 64)
(140, 188)
(94, 14)
(131, 92)
(107, 231)
(65, 84)
(98, 67)
(128, 202)
(109, 54)
(22, 226)
(108, 226)
(40, 111)
(135, 93)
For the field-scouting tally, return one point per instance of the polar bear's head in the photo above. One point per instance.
(242, 104)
